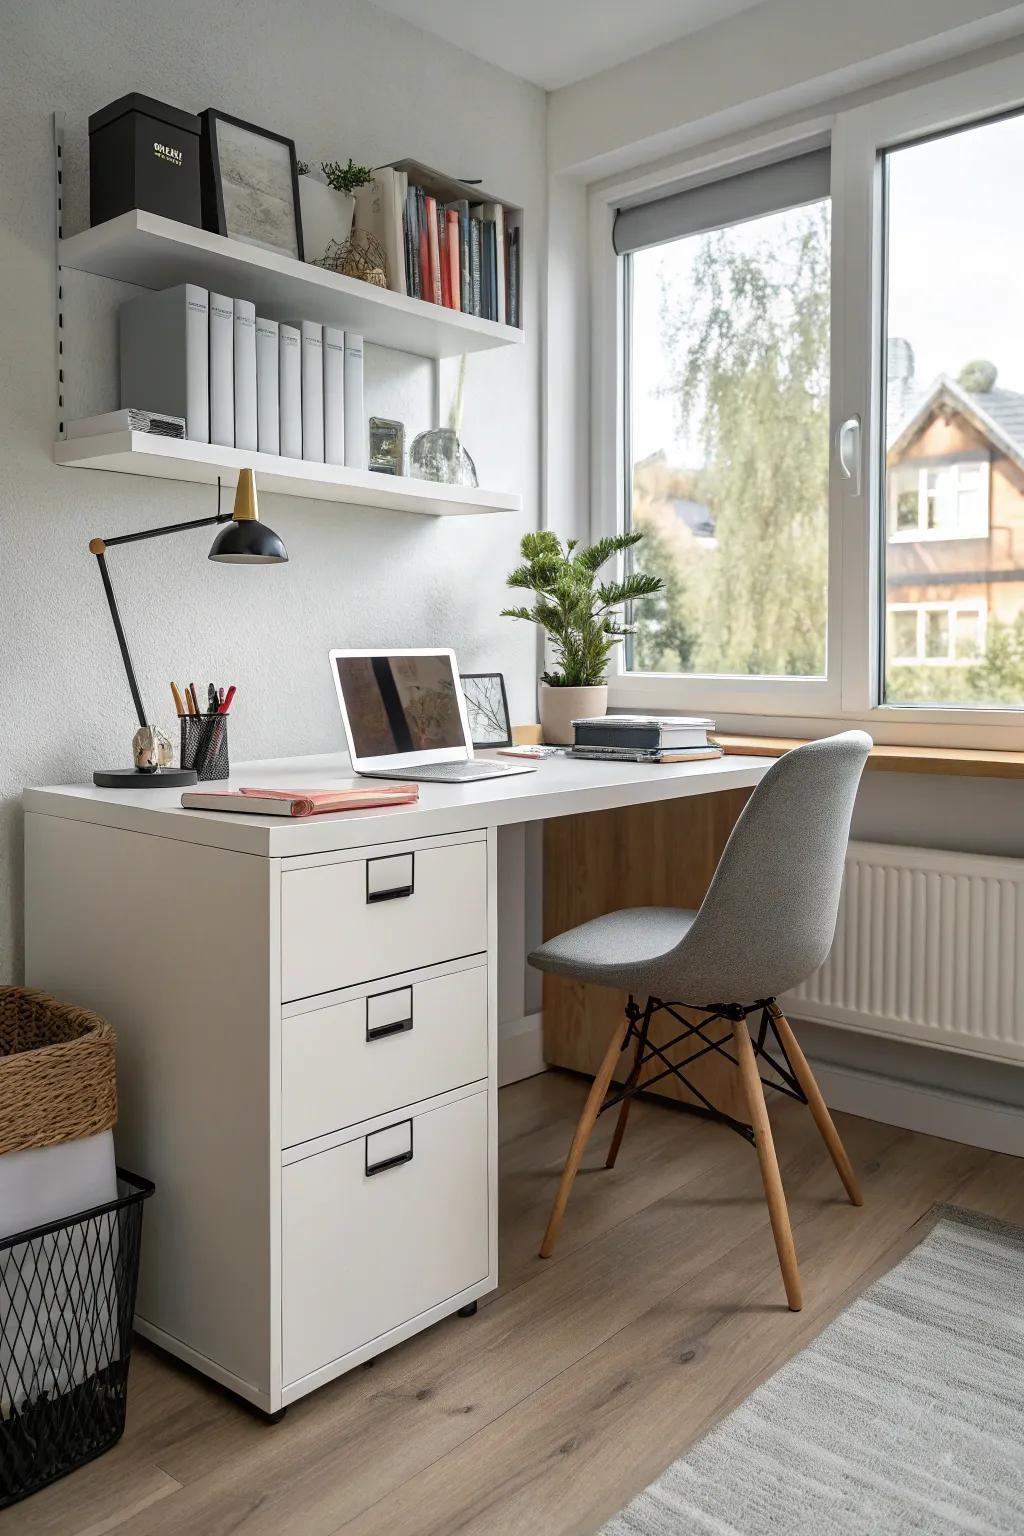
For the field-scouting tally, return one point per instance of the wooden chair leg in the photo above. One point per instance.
(769, 1163)
(818, 1107)
(595, 1098)
(620, 1124)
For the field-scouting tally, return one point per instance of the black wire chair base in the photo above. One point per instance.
(783, 1079)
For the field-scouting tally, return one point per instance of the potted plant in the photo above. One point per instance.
(328, 205)
(580, 618)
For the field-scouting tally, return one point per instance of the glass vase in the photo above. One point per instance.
(439, 455)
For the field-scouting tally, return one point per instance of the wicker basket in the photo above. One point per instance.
(57, 1075)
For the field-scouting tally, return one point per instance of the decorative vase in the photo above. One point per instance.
(326, 216)
(438, 455)
(559, 707)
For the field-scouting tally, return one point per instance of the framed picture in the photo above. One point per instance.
(250, 184)
(487, 709)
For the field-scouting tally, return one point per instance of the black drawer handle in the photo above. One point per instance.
(395, 892)
(399, 1027)
(387, 1162)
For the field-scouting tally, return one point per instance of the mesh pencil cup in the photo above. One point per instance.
(204, 746)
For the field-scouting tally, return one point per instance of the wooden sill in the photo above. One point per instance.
(957, 761)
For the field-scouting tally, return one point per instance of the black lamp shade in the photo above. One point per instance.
(248, 543)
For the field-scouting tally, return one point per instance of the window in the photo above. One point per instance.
(954, 418)
(940, 634)
(813, 410)
(728, 411)
(947, 502)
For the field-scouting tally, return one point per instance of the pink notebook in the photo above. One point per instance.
(298, 802)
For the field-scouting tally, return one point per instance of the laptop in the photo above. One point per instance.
(405, 717)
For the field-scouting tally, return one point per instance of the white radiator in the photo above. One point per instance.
(929, 946)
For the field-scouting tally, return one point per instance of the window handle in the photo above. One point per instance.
(848, 451)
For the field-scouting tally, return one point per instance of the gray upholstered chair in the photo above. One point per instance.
(766, 923)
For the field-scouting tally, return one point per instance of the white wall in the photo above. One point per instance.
(340, 78)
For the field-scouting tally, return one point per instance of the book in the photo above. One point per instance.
(638, 755)
(246, 429)
(488, 270)
(474, 264)
(290, 391)
(127, 420)
(433, 253)
(465, 280)
(494, 213)
(379, 212)
(454, 259)
(311, 367)
(222, 370)
(423, 245)
(514, 280)
(268, 385)
(643, 732)
(412, 244)
(334, 395)
(165, 356)
(355, 414)
(442, 256)
(298, 802)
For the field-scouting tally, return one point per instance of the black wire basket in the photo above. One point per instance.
(67, 1299)
(204, 746)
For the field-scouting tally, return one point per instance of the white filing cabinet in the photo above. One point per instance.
(306, 1052)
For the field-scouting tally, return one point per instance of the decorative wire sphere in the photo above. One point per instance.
(361, 256)
(438, 455)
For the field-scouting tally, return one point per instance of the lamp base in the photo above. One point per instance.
(133, 778)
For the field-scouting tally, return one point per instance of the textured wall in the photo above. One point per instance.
(340, 78)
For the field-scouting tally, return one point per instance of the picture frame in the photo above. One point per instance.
(487, 709)
(250, 184)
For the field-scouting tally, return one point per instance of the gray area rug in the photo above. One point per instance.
(905, 1415)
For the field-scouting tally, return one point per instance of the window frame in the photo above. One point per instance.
(921, 533)
(953, 608)
(852, 690)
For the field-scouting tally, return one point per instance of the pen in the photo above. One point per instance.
(195, 699)
(226, 705)
(211, 699)
(179, 703)
(220, 697)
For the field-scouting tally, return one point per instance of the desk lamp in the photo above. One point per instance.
(245, 541)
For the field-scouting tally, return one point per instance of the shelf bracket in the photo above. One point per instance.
(59, 119)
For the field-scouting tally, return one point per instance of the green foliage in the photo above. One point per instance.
(346, 178)
(997, 678)
(750, 344)
(665, 634)
(579, 616)
(302, 167)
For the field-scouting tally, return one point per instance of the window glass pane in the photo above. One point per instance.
(728, 412)
(954, 428)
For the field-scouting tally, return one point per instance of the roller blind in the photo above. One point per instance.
(786, 184)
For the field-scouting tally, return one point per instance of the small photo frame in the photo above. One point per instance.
(250, 184)
(487, 709)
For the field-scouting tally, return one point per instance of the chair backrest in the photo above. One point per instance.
(769, 917)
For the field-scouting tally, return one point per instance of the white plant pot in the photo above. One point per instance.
(559, 707)
(326, 216)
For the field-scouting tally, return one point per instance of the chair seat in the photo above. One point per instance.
(618, 949)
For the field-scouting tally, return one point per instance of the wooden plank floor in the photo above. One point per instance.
(579, 1380)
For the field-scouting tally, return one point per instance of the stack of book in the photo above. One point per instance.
(242, 381)
(644, 739)
(452, 251)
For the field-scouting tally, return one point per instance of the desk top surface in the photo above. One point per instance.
(561, 786)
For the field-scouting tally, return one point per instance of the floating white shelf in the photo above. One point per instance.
(154, 252)
(143, 453)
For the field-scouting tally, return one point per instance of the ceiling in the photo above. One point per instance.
(554, 42)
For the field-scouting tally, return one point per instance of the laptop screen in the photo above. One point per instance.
(399, 704)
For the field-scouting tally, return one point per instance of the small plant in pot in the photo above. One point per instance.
(580, 617)
(328, 205)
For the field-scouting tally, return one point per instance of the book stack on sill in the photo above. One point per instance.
(644, 739)
(461, 254)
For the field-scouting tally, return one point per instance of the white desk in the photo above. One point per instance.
(306, 1017)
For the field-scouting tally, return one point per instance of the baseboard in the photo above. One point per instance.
(915, 1107)
(520, 1049)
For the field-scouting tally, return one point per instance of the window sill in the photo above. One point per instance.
(953, 761)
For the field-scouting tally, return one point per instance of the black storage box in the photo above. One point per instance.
(144, 154)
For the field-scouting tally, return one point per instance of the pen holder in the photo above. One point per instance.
(204, 746)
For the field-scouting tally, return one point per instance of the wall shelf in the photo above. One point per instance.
(143, 453)
(155, 252)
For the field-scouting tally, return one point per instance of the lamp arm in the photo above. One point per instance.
(98, 547)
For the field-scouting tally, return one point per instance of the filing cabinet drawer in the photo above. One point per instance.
(398, 1044)
(381, 1229)
(349, 922)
